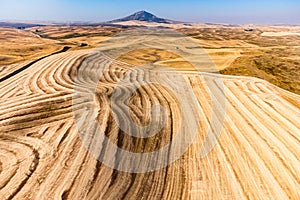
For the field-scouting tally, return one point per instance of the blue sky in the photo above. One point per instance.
(229, 11)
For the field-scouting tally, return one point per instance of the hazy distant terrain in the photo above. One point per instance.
(234, 50)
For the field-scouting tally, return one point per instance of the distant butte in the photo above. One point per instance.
(144, 16)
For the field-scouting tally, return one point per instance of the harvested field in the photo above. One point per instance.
(232, 49)
(239, 52)
(20, 46)
(7, 69)
(43, 157)
(279, 34)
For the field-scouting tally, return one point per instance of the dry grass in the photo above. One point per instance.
(233, 50)
(145, 56)
(43, 157)
(76, 35)
(32, 43)
(257, 156)
(275, 59)
(19, 45)
(279, 66)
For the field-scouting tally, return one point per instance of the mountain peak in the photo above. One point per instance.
(142, 12)
(143, 16)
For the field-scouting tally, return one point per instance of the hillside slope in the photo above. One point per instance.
(42, 155)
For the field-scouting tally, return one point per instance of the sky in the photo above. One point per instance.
(213, 11)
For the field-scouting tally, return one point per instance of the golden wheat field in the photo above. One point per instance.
(43, 157)
(105, 100)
